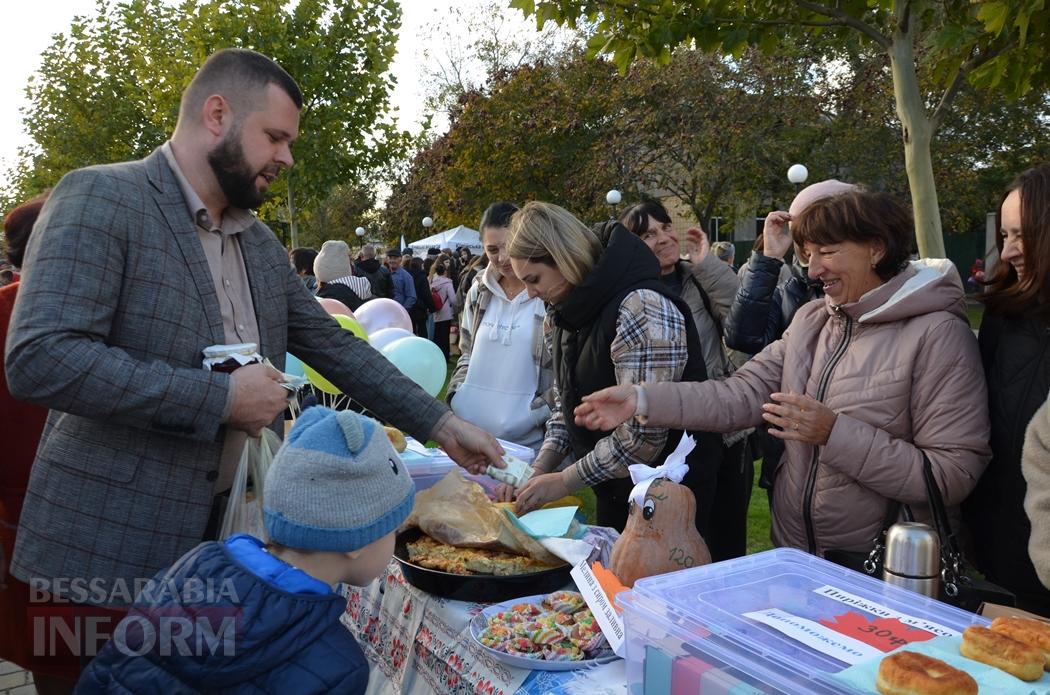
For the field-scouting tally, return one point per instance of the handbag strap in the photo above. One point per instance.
(893, 510)
(951, 558)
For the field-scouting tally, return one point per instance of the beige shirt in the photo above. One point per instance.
(222, 248)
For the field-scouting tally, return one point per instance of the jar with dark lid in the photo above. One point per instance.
(229, 358)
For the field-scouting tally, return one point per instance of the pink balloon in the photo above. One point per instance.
(334, 306)
(385, 336)
(377, 314)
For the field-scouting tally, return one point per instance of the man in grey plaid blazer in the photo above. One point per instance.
(127, 278)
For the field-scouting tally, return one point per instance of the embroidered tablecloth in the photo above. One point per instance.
(419, 644)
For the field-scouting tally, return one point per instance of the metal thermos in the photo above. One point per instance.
(913, 558)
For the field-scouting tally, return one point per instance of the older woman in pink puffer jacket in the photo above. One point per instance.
(864, 382)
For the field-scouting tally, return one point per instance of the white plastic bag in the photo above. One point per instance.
(244, 512)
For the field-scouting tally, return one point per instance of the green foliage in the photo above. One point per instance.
(937, 48)
(108, 89)
(537, 134)
(337, 216)
(711, 132)
(1015, 31)
(708, 129)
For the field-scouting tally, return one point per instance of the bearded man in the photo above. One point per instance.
(133, 269)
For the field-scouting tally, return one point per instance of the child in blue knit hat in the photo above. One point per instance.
(244, 616)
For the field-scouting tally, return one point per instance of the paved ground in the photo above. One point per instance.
(15, 681)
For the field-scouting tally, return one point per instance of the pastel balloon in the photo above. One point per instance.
(319, 381)
(334, 306)
(348, 323)
(377, 314)
(420, 360)
(351, 324)
(293, 365)
(384, 336)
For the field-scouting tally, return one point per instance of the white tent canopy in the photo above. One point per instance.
(449, 239)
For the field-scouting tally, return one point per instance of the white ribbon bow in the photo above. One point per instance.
(674, 468)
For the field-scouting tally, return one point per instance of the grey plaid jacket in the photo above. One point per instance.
(115, 306)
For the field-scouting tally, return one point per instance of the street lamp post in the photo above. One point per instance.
(613, 198)
(360, 231)
(428, 223)
(797, 174)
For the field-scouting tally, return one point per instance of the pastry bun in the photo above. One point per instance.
(911, 673)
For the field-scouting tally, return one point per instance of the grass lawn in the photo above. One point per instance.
(758, 517)
(974, 311)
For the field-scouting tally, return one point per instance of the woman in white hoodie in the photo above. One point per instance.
(503, 377)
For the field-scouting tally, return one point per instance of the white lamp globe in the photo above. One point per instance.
(428, 222)
(613, 197)
(360, 231)
(797, 173)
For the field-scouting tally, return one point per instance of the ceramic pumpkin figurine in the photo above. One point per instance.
(660, 535)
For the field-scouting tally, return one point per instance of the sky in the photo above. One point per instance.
(32, 26)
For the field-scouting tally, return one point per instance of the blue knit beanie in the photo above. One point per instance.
(336, 484)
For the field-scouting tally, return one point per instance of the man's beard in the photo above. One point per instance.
(234, 174)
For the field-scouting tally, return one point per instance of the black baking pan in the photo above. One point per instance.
(480, 588)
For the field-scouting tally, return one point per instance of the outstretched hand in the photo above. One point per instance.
(800, 418)
(538, 491)
(606, 409)
(470, 447)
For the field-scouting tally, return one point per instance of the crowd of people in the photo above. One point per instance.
(843, 363)
(427, 288)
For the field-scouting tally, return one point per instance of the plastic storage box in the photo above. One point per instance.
(428, 466)
(710, 630)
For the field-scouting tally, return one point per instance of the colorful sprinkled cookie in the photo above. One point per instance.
(565, 601)
(528, 609)
(547, 635)
(562, 653)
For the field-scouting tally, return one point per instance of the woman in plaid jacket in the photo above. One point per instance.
(611, 322)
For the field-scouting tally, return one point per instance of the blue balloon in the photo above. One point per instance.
(293, 365)
(420, 360)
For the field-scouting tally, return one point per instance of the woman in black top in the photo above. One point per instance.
(1015, 349)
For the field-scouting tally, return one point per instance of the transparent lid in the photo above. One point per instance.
(731, 606)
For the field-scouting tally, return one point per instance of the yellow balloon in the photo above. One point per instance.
(319, 381)
(348, 323)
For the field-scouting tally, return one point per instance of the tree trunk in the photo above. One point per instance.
(292, 228)
(918, 134)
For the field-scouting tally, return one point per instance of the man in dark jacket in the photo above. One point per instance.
(424, 305)
(378, 276)
(242, 616)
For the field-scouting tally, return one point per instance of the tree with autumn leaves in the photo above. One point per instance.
(934, 49)
(714, 133)
(108, 90)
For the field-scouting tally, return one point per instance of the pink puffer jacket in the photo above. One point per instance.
(901, 369)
